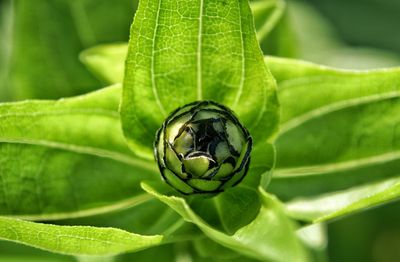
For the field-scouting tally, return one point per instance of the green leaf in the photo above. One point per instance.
(270, 236)
(349, 101)
(274, 30)
(315, 237)
(341, 131)
(184, 51)
(67, 158)
(261, 9)
(46, 38)
(74, 240)
(107, 61)
(343, 203)
(149, 218)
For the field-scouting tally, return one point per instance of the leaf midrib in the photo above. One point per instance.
(86, 111)
(117, 206)
(152, 67)
(324, 169)
(243, 60)
(199, 52)
(119, 157)
(333, 107)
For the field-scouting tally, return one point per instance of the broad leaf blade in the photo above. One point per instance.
(67, 158)
(180, 52)
(270, 236)
(74, 240)
(342, 135)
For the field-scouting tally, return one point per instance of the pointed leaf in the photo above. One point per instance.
(74, 240)
(342, 203)
(184, 51)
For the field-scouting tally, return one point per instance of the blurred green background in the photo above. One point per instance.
(40, 43)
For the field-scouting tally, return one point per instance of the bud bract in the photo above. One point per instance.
(202, 148)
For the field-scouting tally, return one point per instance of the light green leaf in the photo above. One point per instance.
(107, 61)
(67, 158)
(184, 51)
(45, 39)
(74, 240)
(270, 236)
(273, 9)
(342, 203)
(274, 30)
(150, 218)
(339, 130)
(5, 46)
(315, 237)
(353, 114)
(335, 107)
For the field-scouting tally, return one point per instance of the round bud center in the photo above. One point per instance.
(202, 147)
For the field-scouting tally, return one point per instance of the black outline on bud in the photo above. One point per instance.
(193, 109)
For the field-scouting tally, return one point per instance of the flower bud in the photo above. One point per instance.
(202, 148)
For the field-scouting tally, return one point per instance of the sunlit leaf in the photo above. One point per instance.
(74, 240)
(339, 130)
(342, 203)
(67, 158)
(184, 51)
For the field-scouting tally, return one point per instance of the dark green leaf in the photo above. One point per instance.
(364, 22)
(317, 41)
(13, 252)
(46, 37)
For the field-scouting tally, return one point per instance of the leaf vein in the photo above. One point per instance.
(123, 158)
(199, 52)
(152, 68)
